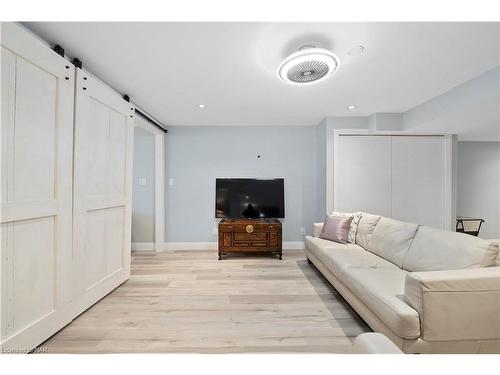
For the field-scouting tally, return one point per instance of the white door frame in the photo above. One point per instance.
(160, 203)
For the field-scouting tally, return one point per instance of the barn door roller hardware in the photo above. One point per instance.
(59, 50)
(146, 117)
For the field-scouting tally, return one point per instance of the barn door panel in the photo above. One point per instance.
(36, 199)
(102, 189)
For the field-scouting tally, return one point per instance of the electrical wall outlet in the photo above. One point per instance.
(170, 181)
(143, 181)
(303, 231)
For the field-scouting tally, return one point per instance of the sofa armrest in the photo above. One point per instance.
(317, 228)
(456, 304)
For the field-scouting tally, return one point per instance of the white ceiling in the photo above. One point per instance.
(169, 68)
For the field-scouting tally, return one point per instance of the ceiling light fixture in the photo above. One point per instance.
(308, 65)
(201, 106)
(351, 107)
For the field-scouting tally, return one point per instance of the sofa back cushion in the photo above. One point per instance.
(436, 249)
(391, 239)
(366, 226)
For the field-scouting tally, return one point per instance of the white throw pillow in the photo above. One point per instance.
(356, 216)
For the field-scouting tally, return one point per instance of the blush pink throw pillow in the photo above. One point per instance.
(336, 228)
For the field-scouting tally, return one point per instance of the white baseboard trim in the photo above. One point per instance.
(287, 245)
(142, 246)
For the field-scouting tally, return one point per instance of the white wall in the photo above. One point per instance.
(197, 155)
(471, 110)
(479, 184)
(143, 196)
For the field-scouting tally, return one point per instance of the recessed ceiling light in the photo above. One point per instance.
(356, 51)
(201, 105)
(309, 64)
(351, 107)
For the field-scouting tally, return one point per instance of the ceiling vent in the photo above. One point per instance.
(308, 65)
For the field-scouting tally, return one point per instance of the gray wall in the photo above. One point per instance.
(479, 184)
(143, 196)
(471, 110)
(385, 121)
(343, 122)
(195, 156)
(321, 141)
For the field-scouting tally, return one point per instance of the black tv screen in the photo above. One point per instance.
(247, 198)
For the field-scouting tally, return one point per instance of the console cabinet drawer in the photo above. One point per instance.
(256, 227)
(241, 244)
(259, 244)
(250, 236)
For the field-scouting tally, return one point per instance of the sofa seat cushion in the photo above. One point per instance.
(338, 258)
(318, 245)
(437, 250)
(382, 290)
(391, 239)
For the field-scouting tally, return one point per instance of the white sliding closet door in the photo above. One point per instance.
(37, 90)
(362, 170)
(418, 180)
(104, 127)
(406, 176)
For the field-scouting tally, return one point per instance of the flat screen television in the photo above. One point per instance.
(248, 198)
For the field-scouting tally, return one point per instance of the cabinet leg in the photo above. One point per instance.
(220, 256)
(280, 256)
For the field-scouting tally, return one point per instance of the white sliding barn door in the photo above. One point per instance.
(37, 90)
(103, 155)
(362, 170)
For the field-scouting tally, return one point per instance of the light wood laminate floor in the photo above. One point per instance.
(188, 301)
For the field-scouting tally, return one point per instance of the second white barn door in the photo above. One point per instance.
(103, 154)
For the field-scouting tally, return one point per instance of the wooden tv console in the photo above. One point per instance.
(250, 236)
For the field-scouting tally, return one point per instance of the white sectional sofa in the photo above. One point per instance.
(428, 290)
